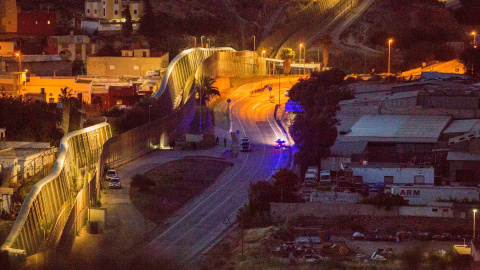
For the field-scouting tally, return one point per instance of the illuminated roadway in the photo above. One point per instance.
(202, 223)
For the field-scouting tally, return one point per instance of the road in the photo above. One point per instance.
(204, 222)
(205, 219)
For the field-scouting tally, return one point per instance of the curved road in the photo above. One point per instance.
(212, 214)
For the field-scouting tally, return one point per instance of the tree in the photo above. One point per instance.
(326, 41)
(314, 131)
(148, 21)
(127, 26)
(65, 97)
(471, 60)
(285, 187)
(206, 89)
(287, 55)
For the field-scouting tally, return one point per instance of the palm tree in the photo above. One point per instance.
(287, 55)
(206, 89)
(65, 97)
(326, 41)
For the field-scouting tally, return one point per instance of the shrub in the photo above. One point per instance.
(387, 200)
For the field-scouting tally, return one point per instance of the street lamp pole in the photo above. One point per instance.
(300, 57)
(474, 211)
(253, 56)
(201, 38)
(389, 43)
(195, 44)
(474, 38)
(304, 58)
(149, 113)
(19, 55)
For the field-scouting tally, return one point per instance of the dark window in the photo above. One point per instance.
(95, 11)
(104, 13)
(144, 54)
(116, 12)
(388, 180)
(135, 11)
(88, 10)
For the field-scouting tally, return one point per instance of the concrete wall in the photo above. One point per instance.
(121, 66)
(400, 175)
(280, 212)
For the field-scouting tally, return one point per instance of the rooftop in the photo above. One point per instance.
(463, 126)
(398, 128)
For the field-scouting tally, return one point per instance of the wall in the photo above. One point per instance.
(418, 195)
(42, 68)
(417, 110)
(280, 212)
(8, 16)
(52, 86)
(121, 66)
(400, 175)
(37, 23)
(7, 49)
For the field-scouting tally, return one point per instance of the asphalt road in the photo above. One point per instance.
(214, 212)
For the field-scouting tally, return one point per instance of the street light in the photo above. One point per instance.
(149, 113)
(300, 56)
(389, 43)
(474, 211)
(304, 58)
(19, 55)
(474, 38)
(263, 53)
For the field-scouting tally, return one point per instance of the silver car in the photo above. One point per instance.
(110, 174)
(115, 183)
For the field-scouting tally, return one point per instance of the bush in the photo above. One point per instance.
(142, 182)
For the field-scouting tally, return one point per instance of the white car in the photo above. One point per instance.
(110, 174)
(286, 93)
(115, 183)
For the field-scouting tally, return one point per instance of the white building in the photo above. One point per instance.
(393, 174)
(422, 195)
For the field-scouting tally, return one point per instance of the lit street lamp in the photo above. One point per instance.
(263, 53)
(304, 56)
(253, 56)
(300, 57)
(19, 55)
(389, 43)
(474, 211)
(474, 38)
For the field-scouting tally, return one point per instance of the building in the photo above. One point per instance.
(108, 15)
(13, 83)
(392, 174)
(422, 195)
(39, 65)
(51, 87)
(7, 49)
(126, 66)
(71, 47)
(396, 138)
(37, 23)
(8, 16)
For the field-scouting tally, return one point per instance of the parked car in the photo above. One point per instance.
(115, 183)
(110, 174)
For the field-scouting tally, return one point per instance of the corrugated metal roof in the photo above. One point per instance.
(346, 149)
(398, 128)
(463, 126)
(462, 156)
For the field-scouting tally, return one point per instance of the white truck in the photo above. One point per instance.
(311, 176)
(325, 177)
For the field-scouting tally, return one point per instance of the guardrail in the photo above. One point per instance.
(46, 208)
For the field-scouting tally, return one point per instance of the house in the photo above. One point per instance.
(71, 47)
(51, 87)
(37, 23)
(7, 49)
(134, 63)
(12, 83)
(8, 16)
(108, 15)
(40, 65)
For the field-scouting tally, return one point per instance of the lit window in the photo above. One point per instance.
(48, 22)
(119, 102)
(112, 67)
(36, 22)
(136, 67)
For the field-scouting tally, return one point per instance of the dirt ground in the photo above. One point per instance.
(176, 182)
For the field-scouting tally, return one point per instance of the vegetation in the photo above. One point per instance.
(471, 59)
(32, 121)
(326, 41)
(385, 200)
(287, 54)
(456, 200)
(163, 190)
(284, 189)
(127, 27)
(314, 131)
(206, 89)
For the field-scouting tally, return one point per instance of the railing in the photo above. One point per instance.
(43, 214)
